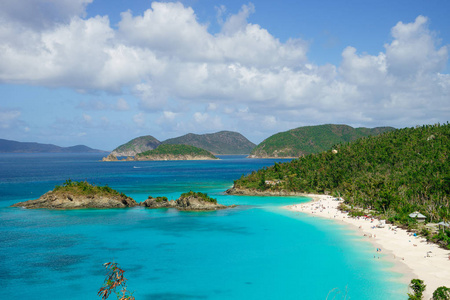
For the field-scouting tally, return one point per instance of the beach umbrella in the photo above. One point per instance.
(443, 224)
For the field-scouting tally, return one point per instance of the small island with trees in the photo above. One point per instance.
(81, 194)
(168, 152)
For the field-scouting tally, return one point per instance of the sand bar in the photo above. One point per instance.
(414, 257)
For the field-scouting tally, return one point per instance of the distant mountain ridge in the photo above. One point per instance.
(311, 139)
(223, 142)
(8, 146)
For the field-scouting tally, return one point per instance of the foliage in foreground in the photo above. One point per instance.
(203, 196)
(441, 293)
(115, 279)
(418, 287)
(394, 174)
(85, 188)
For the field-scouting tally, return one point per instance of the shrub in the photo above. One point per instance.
(114, 279)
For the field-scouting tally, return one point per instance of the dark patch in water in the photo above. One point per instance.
(163, 245)
(60, 263)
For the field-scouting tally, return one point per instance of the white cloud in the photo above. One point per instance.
(87, 118)
(122, 105)
(414, 49)
(139, 119)
(237, 22)
(168, 60)
(8, 117)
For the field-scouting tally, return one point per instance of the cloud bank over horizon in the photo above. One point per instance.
(186, 79)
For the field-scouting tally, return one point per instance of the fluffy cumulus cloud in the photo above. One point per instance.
(168, 59)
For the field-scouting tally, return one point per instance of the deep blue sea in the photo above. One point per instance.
(254, 251)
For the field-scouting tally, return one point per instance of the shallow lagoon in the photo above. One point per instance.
(254, 251)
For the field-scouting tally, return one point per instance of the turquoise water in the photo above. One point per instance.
(254, 251)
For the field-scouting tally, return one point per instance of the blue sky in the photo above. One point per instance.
(100, 73)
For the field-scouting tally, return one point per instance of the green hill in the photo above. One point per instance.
(394, 174)
(137, 145)
(175, 152)
(311, 139)
(223, 142)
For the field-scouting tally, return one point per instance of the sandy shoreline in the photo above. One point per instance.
(413, 256)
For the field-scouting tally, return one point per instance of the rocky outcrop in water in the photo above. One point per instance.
(53, 200)
(196, 203)
(79, 194)
(254, 192)
(191, 201)
(110, 157)
(158, 202)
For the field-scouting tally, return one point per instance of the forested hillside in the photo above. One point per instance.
(394, 173)
(311, 139)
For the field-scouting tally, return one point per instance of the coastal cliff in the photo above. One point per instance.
(254, 192)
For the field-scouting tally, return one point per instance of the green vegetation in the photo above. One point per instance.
(85, 188)
(418, 287)
(177, 150)
(311, 139)
(161, 199)
(392, 174)
(203, 196)
(115, 279)
(441, 293)
(223, 142)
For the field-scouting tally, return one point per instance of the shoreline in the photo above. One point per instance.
(412, 256)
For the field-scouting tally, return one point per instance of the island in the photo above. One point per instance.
(175, 152)
(191, 201)
(79, 194)
(219, 143)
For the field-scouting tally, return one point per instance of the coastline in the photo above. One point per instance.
(412, 255)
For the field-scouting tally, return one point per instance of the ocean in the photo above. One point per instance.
(254, 251)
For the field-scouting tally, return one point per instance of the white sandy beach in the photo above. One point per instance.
(414, 257)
